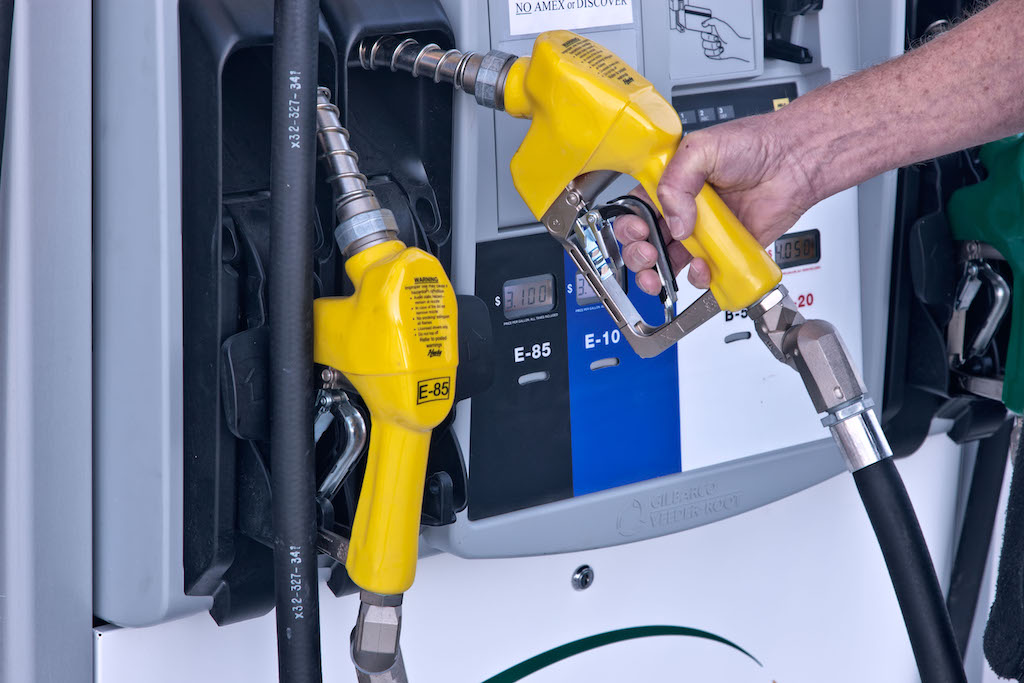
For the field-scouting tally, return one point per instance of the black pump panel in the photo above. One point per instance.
(401, 130)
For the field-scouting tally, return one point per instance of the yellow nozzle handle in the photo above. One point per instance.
(591, 111)
(396, 340)
(385, 534)
(741, 270)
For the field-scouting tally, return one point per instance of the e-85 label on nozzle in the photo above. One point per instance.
(433, 389)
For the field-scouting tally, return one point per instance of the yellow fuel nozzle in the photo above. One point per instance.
(395, 339)
(591, 111)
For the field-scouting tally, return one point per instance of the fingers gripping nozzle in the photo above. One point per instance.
(563, 222)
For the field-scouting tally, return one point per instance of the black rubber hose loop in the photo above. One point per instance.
(293, 173)
(912, 573)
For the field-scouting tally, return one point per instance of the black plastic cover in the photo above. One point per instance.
(401, 129)
(925, 274)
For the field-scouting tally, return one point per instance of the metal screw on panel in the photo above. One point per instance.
(582, 577)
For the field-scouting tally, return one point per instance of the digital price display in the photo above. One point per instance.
(798, 249)
(585, 294)
(526, 296)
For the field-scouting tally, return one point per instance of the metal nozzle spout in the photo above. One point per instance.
(361, 220)
(480, 75)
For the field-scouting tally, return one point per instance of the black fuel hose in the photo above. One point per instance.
(6, 33)
(292, 466)
(912, 573)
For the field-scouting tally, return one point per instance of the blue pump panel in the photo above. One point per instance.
(609, 387)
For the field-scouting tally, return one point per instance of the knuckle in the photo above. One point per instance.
(668, 195)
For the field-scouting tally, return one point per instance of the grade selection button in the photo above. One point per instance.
(725, 112)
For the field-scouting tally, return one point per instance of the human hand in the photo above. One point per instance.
(748, 163)
(720, 41)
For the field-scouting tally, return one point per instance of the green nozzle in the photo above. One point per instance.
(992, 212)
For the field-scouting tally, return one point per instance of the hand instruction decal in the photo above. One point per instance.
(719, 40)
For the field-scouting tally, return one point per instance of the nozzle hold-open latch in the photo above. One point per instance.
(587, 238)
(976, 273)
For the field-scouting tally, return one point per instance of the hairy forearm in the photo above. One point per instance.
(964, 88)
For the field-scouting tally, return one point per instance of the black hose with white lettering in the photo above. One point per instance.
(6, 33)
(292, 464)
(912, 573)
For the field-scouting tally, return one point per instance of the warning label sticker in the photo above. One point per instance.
(537, 16)
(600, 60)
(432, 319)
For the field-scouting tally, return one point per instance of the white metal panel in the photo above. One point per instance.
(799, 583)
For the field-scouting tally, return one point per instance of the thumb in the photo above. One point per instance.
(683, 179)
(712, 24)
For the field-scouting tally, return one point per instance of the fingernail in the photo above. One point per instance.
(634, 233)
(676, 227)
(646, 286)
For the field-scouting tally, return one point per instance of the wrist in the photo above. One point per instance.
(828, 146)
(801, 156)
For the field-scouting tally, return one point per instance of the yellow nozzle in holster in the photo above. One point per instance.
(592, 112)
(396, 340)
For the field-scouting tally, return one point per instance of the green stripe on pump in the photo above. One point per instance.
(555, 655)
